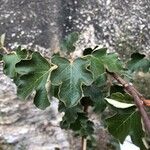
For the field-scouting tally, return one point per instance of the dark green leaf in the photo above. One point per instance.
(64, 124)
(96, 64)
(54, 90)
(124, 124)
(138, 62)
(70, 75)
(68, 44)
(71, 114)
(100, 61)
(137, 56)
(112, 63)
(92, 143)
(86, 101)
(117, 88)
(87, 51)
(101, 80)
(96, 96)
(11, 59)
(34, 76)
(82, 126)
(86, 129)
(96, 92)
(23, 53)
(126, 98)
(1, 57)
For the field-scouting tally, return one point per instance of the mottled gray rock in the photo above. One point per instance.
(103, 22)
(23, 125)
(29, 22)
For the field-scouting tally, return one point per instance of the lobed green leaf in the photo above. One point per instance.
(97, 97)
(68, 45)
(71, 114)
(70, 76)
(100, 61)
(10, 60)
(128, 123)
(35, 74)
(138, 62)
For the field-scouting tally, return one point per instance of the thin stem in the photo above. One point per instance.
(84, 143)
(84, 140)
(138, 99)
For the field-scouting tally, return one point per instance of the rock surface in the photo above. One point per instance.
(120, 25)
(22, 125)
(103, 22)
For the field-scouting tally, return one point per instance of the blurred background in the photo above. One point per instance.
(120, 25)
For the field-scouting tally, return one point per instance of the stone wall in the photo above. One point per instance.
(103, 22)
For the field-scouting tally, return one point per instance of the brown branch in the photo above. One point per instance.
(138, 99)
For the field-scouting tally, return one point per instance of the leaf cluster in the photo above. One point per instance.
(79, 83)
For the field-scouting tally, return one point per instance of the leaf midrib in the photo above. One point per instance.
(125, 120)
(30, 87)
